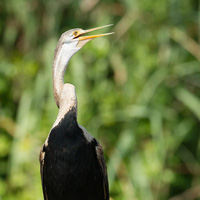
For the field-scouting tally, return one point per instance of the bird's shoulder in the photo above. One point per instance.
(41, 160)
(102, 167)
(86, 134)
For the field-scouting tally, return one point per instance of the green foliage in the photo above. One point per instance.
(138, 93)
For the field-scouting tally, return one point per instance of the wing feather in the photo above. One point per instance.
(103, 169)
(41, 159)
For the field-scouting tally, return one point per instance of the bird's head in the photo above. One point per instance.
(69, 43)
(74, 39)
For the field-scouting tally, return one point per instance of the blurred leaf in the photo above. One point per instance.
(190, 100)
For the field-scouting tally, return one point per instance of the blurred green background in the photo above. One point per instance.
(138, 93)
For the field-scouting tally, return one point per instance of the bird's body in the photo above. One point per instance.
(71, 169)
(71, 160)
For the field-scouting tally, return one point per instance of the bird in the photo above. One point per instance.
(72, 164)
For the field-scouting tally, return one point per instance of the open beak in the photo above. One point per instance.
(84, 39)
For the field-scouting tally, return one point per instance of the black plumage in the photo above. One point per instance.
(71, 167)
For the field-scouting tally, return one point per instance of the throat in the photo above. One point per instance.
(59, 67)
(67, 102)
(61, 59)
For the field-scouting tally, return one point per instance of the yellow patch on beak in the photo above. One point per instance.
(84, 39)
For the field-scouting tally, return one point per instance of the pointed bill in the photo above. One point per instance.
(84, 39)
(93, 36)
(97, 28)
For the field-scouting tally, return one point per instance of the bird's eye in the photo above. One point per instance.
(75, 33)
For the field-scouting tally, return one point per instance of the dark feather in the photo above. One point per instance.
(41, 159)
(103, 170)
(71, 167)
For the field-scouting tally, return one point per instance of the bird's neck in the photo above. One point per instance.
(67, 103)
(61, 60)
